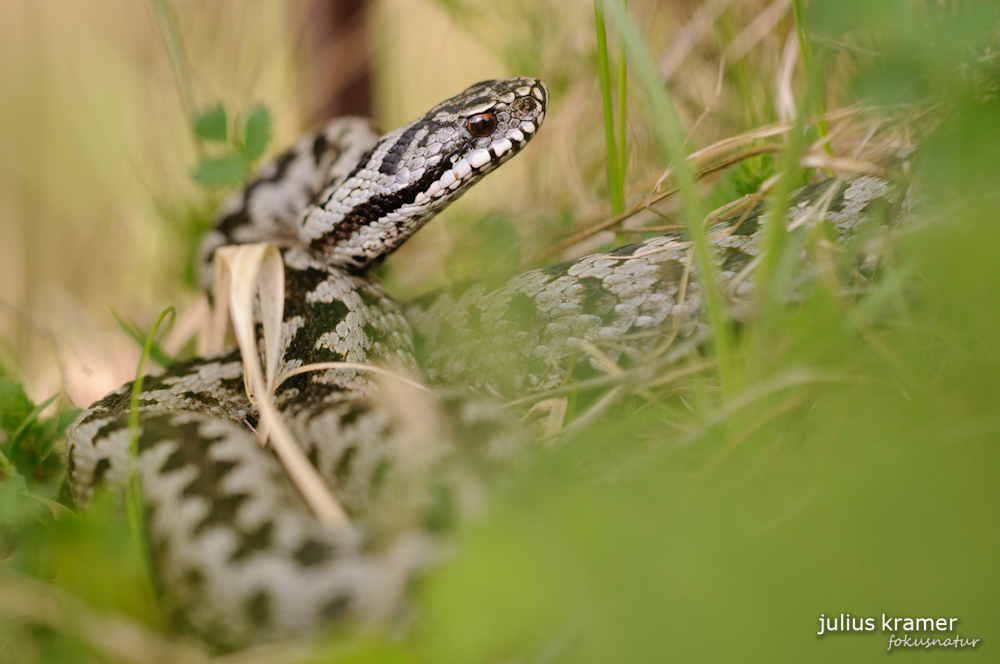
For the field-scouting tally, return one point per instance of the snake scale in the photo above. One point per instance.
(238, 556)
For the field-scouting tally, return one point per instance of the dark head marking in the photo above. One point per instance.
(415, 171)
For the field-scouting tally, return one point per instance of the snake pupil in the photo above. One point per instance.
(482, 124)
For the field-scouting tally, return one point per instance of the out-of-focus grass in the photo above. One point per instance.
(614, 126)
(867, 486)
(850, 467)
(97, 204)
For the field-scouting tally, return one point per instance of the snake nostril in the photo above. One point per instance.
(525, 107)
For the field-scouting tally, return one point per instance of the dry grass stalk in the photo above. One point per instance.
(684, 42)
(240, 272)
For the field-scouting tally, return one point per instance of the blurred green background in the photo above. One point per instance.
(849, 467)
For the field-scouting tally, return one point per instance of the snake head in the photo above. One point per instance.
(415, 171)
(492, 121)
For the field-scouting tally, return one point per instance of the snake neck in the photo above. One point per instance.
(415, 171)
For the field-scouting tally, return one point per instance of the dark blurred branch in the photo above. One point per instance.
(337, 62)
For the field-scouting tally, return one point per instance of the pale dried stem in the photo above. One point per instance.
(715, 98)
(688, 37)
(690, 370)
(768, 131)
(754, 199)
(820, 207)
(757, 30)
(316, 493)
(608, 364)
(735, 282)
(665, 345)
(240, 272)
(637, 376)
(591, 414)
(720, 147)
(600, 357)
(842, 164)
(638, 230)
(193, 321)
(787, 380)
(760, 27)
(809, 160)
(785, 103)
(868, 136)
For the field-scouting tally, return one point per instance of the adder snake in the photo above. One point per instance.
(237, 554)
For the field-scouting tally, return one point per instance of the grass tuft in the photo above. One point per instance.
(134, 491)
(669, 138)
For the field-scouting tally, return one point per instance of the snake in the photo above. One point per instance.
(236, 553)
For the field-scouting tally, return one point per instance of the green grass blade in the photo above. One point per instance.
(778, 258)
(614, 173)
(32, 416)
(166, 20)
(805, 46)
(770, 278)
(133, 330)
(134, 494)
(622, 110)
(669, 136)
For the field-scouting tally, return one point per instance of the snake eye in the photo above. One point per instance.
(482, 124)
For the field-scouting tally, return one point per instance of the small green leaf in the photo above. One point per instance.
(14, 406)
(211, 125)
(29, 420)
(257, 133)
(224, 171)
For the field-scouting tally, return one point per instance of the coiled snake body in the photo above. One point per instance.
(238, 555)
